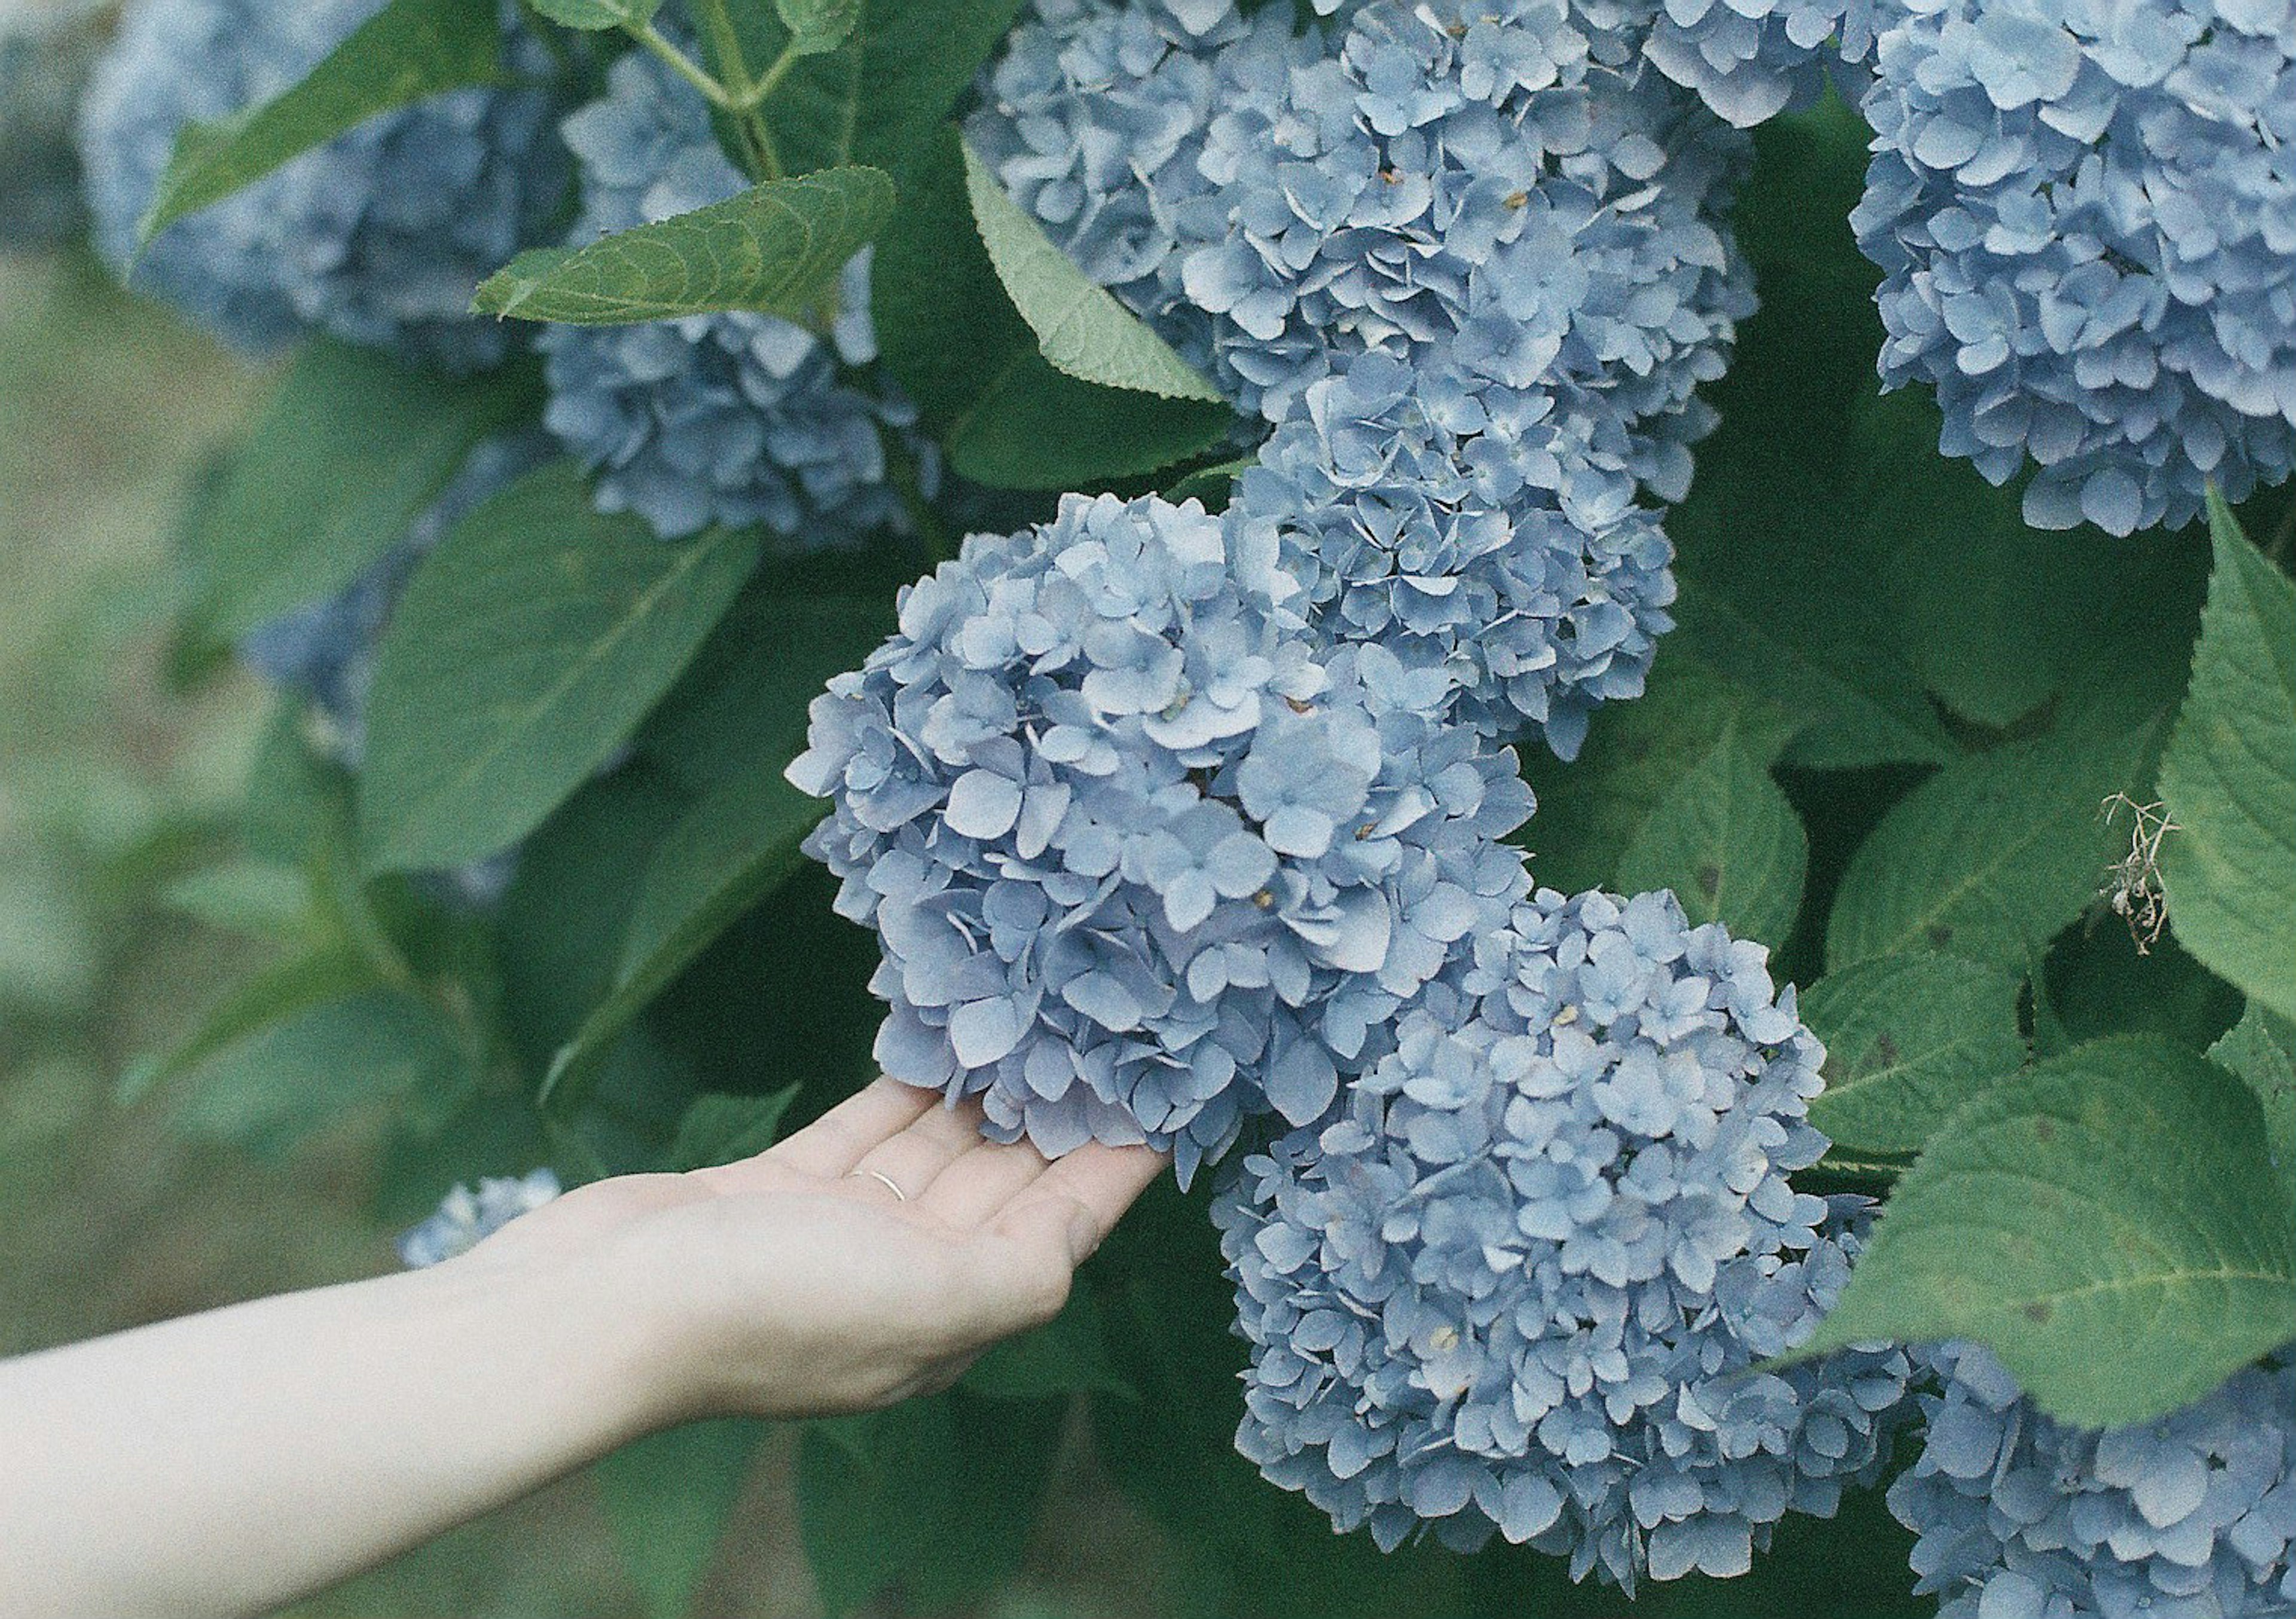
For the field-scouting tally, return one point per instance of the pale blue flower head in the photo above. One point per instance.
(2087, 225)
(734, 418)
(1455, 523)
(379, 237)
(2020, 1516)
(1515, 1282)
(465, 1218)
(1145, 859)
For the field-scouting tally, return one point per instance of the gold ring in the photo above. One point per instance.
(880, 1176)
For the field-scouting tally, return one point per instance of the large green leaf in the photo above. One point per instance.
(1079, 326)
(776, 248)
(281, 991)
(878, 98)
(1069, 1354)
(1726, 840)
(2261, 1048)
(1004, 414)
(1591, 810)
(375, 1051)
(1908, 1038)
(940, 1494)
(350, 450)
(668, 1497)
(817, 27)
(592, 15)
(720, 1128)
(2229, 778)
(738, 845)
(1992, 855)
(404, 52)
(2109, 1222)
(524, 653)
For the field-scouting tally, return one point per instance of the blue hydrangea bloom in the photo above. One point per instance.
(1515, 1282)
(1749, 59)
(379, 237)
(1141, 861)
(1430, 182)
(45, 56)
(2020, 1516)
(466, 1218)
(734, 418)
(325, 650)
(1439, 516)
(2087, 223)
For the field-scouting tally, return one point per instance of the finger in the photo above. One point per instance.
(983, 1181)
(913, 1159)
(836, 1142)
(1087, 1192)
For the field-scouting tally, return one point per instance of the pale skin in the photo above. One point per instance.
(229, 1462)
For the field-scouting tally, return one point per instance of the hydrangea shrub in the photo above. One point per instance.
(1597, 1188)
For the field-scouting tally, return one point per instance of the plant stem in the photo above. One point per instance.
(743, 94)
(772, 77)
(683, 65)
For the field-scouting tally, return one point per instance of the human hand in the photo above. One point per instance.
(799, 1283)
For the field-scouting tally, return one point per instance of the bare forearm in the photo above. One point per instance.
(228, 1461)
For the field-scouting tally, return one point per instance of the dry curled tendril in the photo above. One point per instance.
(2132, 885)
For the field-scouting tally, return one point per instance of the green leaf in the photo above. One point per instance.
(2108, 1222)
(282, 991)
(525, 651)
(818, 26)
(737, 845)
(404, 52)
(668, 1497)
(2230, 778)
(1591, 810)
(777, 249)
(257, 898)
(1069, 1354)
(744, 698)
(940, 1494)
(377, 1050)
(1992, 855)
(1723, 839)
(2261, 1048)
(592, 15)
(1005, 416)
(1908, 1038)
(352, 449)
(1079, 326)
(722, 1129)
(878, 98)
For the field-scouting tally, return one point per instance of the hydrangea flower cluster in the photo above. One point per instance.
(466, 1218)
(2088, 226)
(1454, 538)
(379, 237)
(2022, 1518)
(1750, 60)
(1504, 208)
(1515, 1282)
(734, 418)
(1142, 859)
(45, 56)
(326, 650)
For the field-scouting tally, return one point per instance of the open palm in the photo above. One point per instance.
(870, 1256)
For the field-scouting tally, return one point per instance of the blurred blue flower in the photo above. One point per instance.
(379, 237)
(1143, 860)
(2020, 1516)
(2088, 226)
(734, 418)
(1515, 1281)
(465, 1218)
